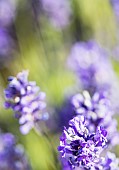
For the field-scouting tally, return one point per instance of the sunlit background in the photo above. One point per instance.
(37, 35)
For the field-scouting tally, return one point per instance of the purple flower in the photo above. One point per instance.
(90, 62)
(80, 147)
(7, 47)
(64, 113)
(109, 162)
(7, 12)
(6, 43)
(59, 12)
(115, 7)
(97, 112)
(26, 101)
(12, 156)
(94, 70)
(65, 164)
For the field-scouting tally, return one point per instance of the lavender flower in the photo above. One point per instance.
(80, 147)
(12, 156)
(115, 6)
(97, 112)
(109, 162)
(7, 12)
(26, 101)
(6, 43)
(8, 47)
(91, 63)
(94, 70)
(64, 114)
(59, 12)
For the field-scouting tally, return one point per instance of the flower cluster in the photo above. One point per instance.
(94, 70)
(12, 156)
(110, 162)
(115, 6)
(7, 40)
(91, 63)
(95, 110)
(7, 12)
(59, 12)
(80, 147)
(6, 46)
(26, 101)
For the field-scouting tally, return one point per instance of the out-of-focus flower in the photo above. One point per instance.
(6, 45)
(7, 12)
(65, 164)
(12, 156)
(79, 147)
(115, 6)
(64, 114)
(97, 112)
(59, 12)
(115, 53)
(94, 70)
(109, 162)
(91, 64)
(26, 101)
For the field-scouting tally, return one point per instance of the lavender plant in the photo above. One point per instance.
(95, 111)
(80, 147)
(88, 140)
(7, 12)
(27, 102)
(6, 47)
(115, 7)
(58, 12)
(12, 156)
(94, 70)
(90, 63)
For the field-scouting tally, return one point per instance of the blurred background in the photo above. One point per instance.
(37, 35)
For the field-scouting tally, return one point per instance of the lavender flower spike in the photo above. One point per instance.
(79, 147)
(90, 62)
(109, 162)
(59, 12)
(7, 12)
(24, 98)
(95, 110)
(12, 156)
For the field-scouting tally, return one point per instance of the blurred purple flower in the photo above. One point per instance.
(65, 164)
(115, 53)
(90, 62)
(94, 70)
(64, 114)
(109, 162)
(7, 12)
(97, 112)
(8, 47)
(78, 146)
(6, 43)
(59, 12)
(115, 7)
(12, 156)
(26, 101)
